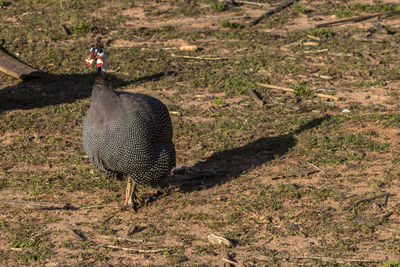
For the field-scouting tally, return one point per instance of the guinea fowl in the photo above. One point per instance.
(126, 134)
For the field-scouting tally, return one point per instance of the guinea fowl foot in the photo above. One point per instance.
(131, 200)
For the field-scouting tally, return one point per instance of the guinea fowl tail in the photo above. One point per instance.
(161, 168)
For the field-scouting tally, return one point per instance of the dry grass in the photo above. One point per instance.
(287, 171)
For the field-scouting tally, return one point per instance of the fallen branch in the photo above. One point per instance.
(337, 260)
(256, 98)
(133, 249)
(16, 68)
(357, 19)
(273, 11)
(203, 58)
(37, 205)
(368, 199)
(136, 240)
(292, 90)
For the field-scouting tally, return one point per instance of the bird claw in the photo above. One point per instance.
(132, 206)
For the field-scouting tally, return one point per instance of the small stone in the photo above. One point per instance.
(218, 240)
(292, 226)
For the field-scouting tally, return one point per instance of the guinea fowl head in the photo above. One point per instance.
(97, 55)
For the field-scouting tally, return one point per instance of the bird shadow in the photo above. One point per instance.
(232, 163)
(54, 89)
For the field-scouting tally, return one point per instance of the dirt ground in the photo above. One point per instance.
(301, 179)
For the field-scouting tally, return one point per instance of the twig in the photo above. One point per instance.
(65, 29)
(318, 168)
(203, 58)
(97, 207)
(136, 240)
(16, 249)
(79, 234)
(338, 260)
(256, 98)
(292, 90)
(37, 205)
(316, 51)
(368, 199)
(387, 215)
(133, 249)
(357, 19)
(374, 223)
(385, 201)
(215, 18)
(273, 11)
(388, 228)
(229, 261)
(263, 258)
(251, 3)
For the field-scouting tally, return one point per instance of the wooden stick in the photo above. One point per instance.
(387, 215)
(357, 19)
(250, 3)
(318, 168)
(256, 98)
(79, 234)
(273, 11)
(338, 260)
(16, 249)
(97, 207)
(213, 18)
(65, 29)
(316, 51)
(136, 240)
(368, 199)
(263, 258)
(37, 205)
(229, 261)
(133, 249)
(204, 58)
(388, 228)
(292, 90)
(16, 68)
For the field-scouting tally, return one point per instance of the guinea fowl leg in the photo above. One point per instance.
(131, 200)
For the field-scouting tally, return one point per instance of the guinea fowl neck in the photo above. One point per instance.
(106, 105)
(101, 84)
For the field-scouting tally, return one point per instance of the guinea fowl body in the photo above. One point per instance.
(128, 134)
